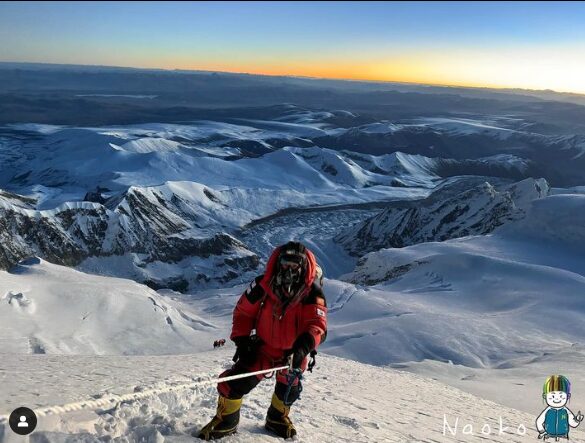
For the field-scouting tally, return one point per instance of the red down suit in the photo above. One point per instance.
(280, 327)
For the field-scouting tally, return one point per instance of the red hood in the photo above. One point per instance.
(309, 276)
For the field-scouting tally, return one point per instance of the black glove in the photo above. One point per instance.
(301, 348)
(297, 357)
(246, 349)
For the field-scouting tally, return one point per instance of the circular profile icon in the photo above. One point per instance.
(23, 421)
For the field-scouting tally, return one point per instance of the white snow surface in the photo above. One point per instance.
(342, 401)
(45, 308)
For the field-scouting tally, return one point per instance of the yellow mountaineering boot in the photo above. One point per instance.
(277, 420)
(225, 421)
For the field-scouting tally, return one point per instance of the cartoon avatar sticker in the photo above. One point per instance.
(556, 420)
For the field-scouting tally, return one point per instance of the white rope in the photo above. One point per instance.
(112, 399)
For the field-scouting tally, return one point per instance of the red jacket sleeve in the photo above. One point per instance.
(246, 310)
(313, 328)
(315, 321)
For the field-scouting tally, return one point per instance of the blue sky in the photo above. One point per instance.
(370, 40)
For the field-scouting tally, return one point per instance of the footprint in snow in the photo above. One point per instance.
(347, 421)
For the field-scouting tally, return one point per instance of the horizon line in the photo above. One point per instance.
(171, 70)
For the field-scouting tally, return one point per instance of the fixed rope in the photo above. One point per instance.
(113, 399)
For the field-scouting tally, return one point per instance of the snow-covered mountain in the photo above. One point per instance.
(108, 200)
(82, 159)
(451, 246)
(162, 203)
(145, 226)
(184, 225)
(447, 213)
(541, 226)
(502, 146)
(498, 300)
(471, 289)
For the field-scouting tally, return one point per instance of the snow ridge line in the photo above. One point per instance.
(109, 399)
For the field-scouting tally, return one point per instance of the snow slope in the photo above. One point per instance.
(480, 301)
(52, 309)
(342, 401)
(360, 170)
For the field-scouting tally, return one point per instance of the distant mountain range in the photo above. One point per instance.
(95, 95)
(353, 85)
(167, 204)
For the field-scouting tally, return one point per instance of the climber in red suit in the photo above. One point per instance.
(281, 315)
